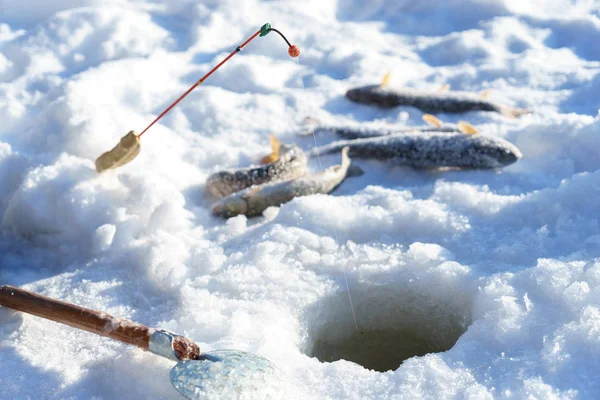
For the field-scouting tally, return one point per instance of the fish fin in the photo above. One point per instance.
(386, 79)
(251, 192)
(354, 170)
(467, 128)
(512, 112)
(431, 120)
(275, 145)
(444, 88)
(485, 93)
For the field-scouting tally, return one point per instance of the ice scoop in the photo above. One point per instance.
(222, 374)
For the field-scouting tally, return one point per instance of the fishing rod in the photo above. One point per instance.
(129, 145)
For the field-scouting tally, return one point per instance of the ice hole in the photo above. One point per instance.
(394, 324)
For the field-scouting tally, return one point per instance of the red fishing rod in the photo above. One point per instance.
(129, 146)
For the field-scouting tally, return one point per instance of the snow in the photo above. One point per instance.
(486, 282)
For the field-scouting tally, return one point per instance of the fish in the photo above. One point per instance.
(254, 200)
(430, 150)
(285, 163)
(430, 101)
(360, 131)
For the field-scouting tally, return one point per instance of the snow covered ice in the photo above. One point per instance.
(486, 283)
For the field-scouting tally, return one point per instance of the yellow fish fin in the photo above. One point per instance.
(386, 79)
(467, 128)
(431, 120)
(275, 145)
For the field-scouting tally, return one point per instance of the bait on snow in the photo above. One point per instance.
(129, 146)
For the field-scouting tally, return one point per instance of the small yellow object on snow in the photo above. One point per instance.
(121, 154)
(274, 156)
(467, 128)
(431, 120)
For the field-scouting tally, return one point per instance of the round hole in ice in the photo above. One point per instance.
(394, 324)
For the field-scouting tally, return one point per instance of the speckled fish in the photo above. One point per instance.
(430, 150)
(285, 163)
(429, 101)
(254, 200)
(360, 131)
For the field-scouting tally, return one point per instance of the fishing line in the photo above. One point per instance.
(337, 242)
(293, 51)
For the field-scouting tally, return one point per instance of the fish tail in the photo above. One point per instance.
(345, 158)
(513, 112)
(351, 169)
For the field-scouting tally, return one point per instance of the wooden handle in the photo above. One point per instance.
(92, 321)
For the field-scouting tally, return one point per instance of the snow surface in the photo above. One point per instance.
(507, 262)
